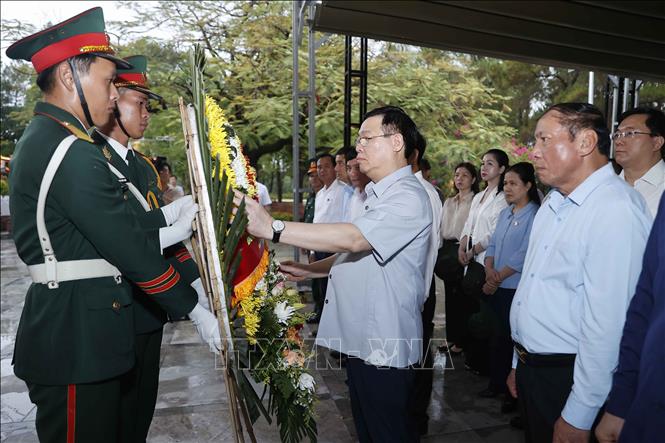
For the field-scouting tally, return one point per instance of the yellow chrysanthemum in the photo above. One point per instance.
(249, 308)
(217, 137)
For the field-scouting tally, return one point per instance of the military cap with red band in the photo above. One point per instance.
(135, 77)
(82, 34)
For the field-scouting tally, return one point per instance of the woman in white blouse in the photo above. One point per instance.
(455, 212)
(485, 208)
(480, 225)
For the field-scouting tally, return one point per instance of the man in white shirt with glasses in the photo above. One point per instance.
(639, 148)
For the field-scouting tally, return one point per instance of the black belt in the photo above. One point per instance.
(543, 360)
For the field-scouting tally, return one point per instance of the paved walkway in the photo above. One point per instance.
(192, 405)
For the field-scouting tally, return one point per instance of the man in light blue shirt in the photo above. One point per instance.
(376, 290)
(580, 272)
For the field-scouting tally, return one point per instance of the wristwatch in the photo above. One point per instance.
(277, 228)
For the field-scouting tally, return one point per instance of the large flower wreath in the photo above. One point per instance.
(262, 309)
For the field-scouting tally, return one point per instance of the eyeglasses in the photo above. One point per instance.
(364, 141)
(629, 134)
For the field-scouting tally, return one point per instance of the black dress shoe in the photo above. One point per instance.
(508, 405)
(453, 349)
(488, 393)
(516, 422)
(471, 369)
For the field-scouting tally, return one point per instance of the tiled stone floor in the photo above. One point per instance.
(192, 405)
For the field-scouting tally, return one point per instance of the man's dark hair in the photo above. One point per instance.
(655, 122)
(502, 159)
(160, 163)
(578, 116)
(421, 145)
(395, 120)
(329, 156)
(350, 155)
(424, 164)
(528, 175)
(475, 186)
(342, 151)
(46, 78)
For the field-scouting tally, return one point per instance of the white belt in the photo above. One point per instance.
(51, 271)
(73, 270)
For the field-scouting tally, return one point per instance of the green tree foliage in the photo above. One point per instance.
(532, 88)
(250, 70)
(463, 104)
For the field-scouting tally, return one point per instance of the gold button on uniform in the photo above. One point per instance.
(115, 305)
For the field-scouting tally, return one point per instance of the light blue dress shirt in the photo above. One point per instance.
(581, 269)
(374, 299)
(510, 240)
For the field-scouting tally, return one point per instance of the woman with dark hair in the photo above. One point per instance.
(504, 258)
(455, 212)
(476, 234)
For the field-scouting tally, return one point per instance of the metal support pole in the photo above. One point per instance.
(363, 79)
(295, 183)
(311, 115)
(348, 66)
(636, 93)
(591, 85)
(626, 90)
(615, 103)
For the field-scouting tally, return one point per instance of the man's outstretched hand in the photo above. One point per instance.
(294, 271)
(259, 220)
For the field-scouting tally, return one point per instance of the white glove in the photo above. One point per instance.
(207, 326)
(203, 297)
(172, 210)
(181, 229)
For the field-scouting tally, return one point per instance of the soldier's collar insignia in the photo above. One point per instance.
(106, 153)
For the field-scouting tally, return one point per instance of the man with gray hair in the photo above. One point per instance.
(580, 272)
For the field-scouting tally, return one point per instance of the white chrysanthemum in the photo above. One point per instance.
(283, 312)
(261, 286)
(306, 382)
(238, 166)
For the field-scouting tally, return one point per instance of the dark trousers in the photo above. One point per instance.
(542, 394)
(81, 413)
(380, 402)
(456, 318)
(501, 344)
(139, 388)
(321, 284)
(425, 373)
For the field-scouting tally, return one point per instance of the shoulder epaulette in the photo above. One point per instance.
(148, 161)
(82, 135)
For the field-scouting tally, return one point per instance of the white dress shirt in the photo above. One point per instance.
(375, 298)
(455, 213)
(580, 272)
(356, 205)
(482, 219)
(264, 195)
(331, 201)
(435, 237)
(651, 186)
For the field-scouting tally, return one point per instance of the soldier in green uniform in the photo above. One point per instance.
(131, 120)
(78, 235)
(315, 185)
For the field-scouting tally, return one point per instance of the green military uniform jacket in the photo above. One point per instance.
(308, 216)
(148, 315)
(83, 331)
